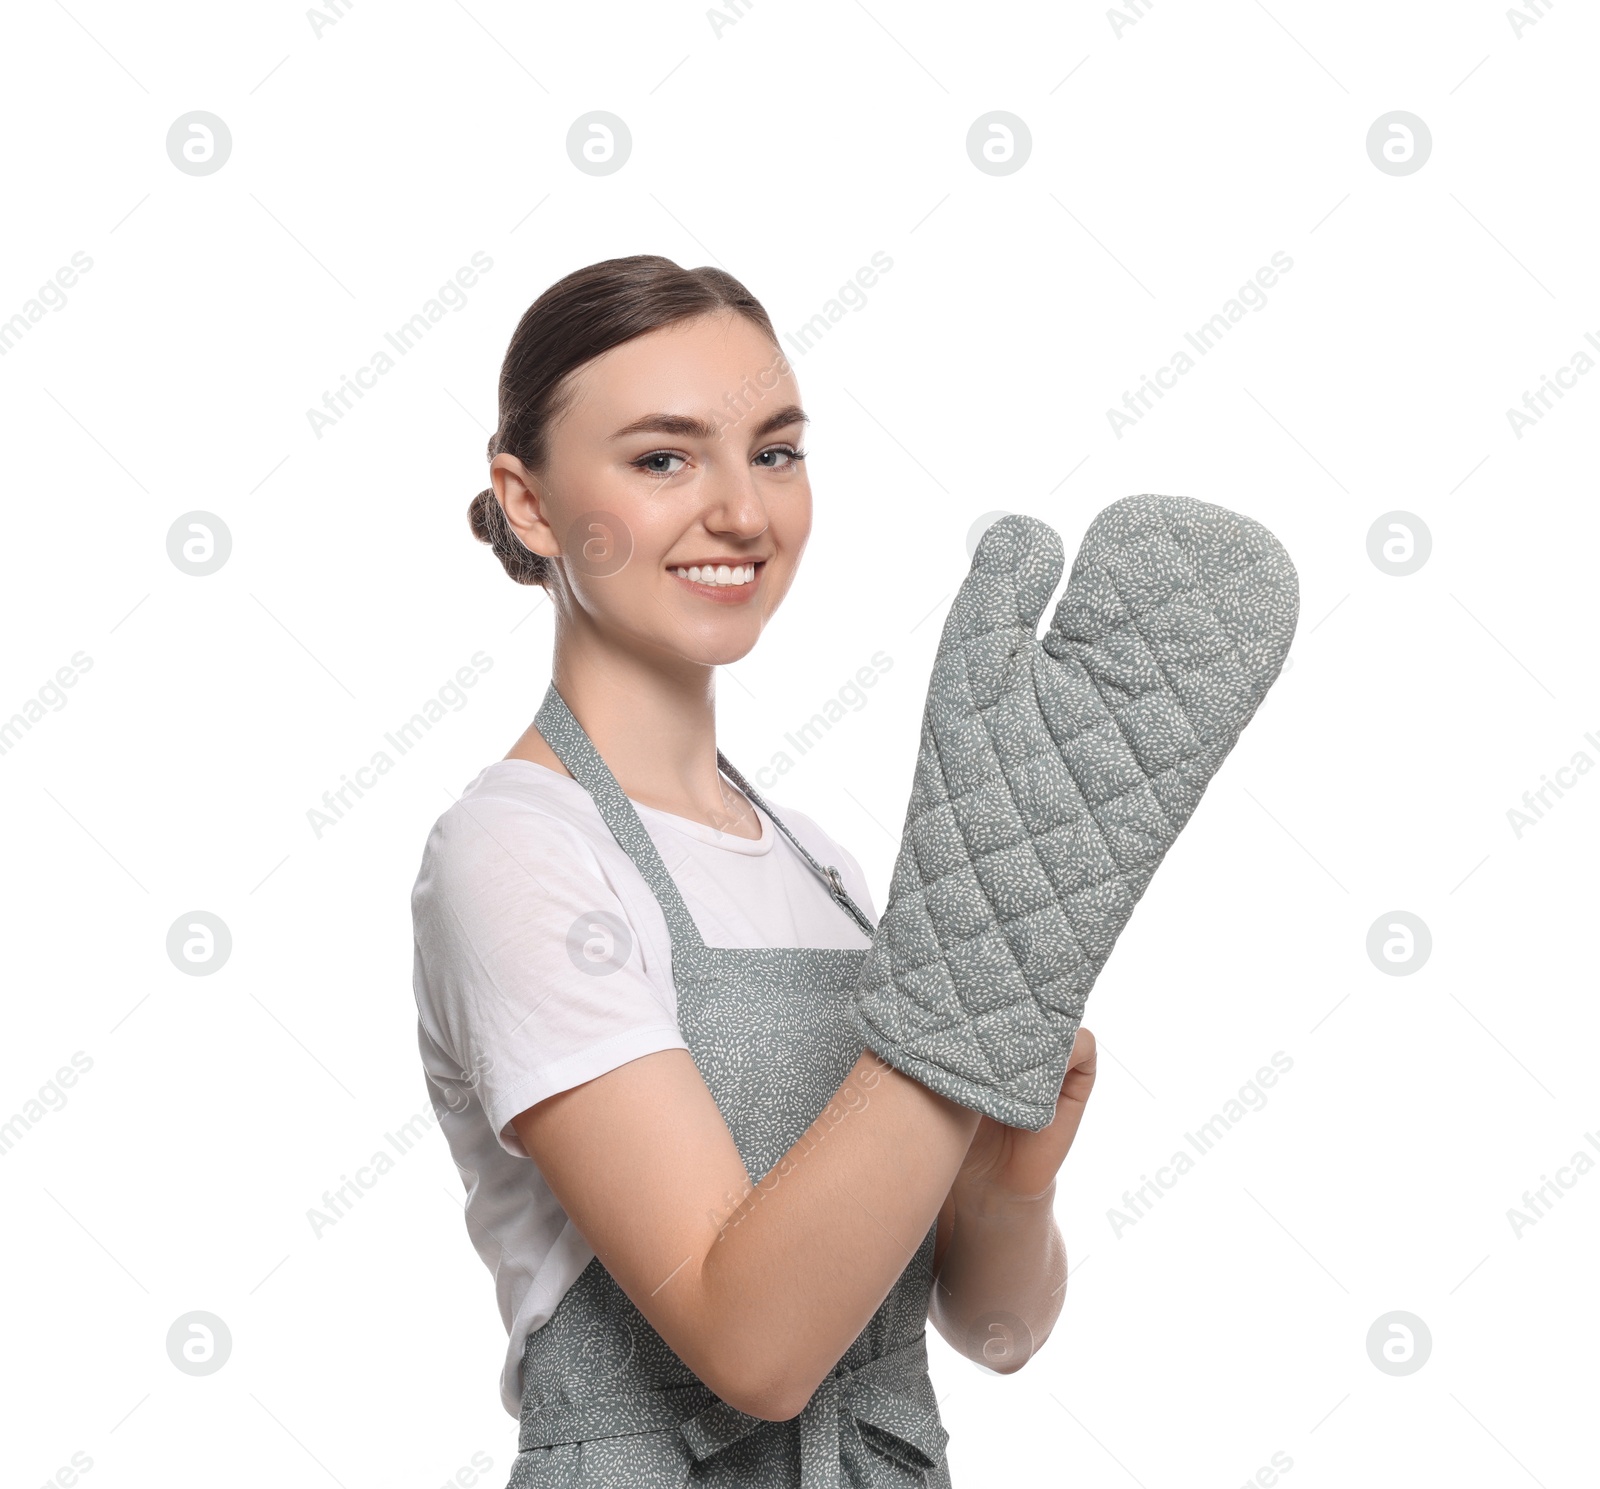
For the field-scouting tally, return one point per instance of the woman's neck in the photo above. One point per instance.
(656, 734)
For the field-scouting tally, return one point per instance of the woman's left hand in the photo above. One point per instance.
(1012, 1163)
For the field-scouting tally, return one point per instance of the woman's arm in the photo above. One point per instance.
(758, 1291)
(1003, 1280)
(999, 1257)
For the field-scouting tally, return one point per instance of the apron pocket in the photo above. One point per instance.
(638, 1460)
(910, 1467)
(545, 1468)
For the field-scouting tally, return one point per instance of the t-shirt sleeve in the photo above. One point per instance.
(531, 973)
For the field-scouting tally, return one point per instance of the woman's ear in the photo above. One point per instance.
(526, 504)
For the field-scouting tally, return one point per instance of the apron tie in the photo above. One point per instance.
(887, 1401)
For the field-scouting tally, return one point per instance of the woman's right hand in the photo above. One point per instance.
(1005, 1163)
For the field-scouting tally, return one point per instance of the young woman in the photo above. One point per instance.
(717, 1225)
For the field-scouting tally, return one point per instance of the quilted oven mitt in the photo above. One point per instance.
(1053, 775)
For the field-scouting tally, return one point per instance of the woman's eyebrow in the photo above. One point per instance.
(687, 426)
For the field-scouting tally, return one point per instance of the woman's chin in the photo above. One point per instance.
(719, 650)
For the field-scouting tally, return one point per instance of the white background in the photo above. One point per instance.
(1170, 158)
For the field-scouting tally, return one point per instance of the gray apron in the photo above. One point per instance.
(605, 1401)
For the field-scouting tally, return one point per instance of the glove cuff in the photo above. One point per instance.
(1027, 1102)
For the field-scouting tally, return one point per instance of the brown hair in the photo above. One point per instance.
(590, 311)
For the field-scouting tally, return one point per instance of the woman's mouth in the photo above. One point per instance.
(725, 583)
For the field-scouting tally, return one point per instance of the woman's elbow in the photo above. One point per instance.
(775, 1397)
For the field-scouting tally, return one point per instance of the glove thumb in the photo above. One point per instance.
(1015, 569)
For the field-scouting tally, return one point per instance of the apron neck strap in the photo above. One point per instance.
(573, 747)
(828, 875)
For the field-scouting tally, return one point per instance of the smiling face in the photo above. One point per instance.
(681, 453)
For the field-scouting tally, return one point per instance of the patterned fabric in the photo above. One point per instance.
(605, 1400)
(1052, 777)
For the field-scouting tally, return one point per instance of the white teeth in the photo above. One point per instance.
(718, 574)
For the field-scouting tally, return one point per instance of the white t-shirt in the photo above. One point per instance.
(506, 913)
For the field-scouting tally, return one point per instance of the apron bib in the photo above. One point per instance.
(605, 1400)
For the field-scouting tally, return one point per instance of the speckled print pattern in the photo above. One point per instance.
(605, 1401)
(1053, 775)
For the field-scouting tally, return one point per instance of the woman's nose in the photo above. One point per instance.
(734, 505)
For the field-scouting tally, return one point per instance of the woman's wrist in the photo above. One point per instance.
(987, 1203)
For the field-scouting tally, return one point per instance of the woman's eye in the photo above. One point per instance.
(657, 462)
(794, 456)
(646, 463)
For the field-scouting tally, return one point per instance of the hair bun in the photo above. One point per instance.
(478, 515)
(489, 525)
